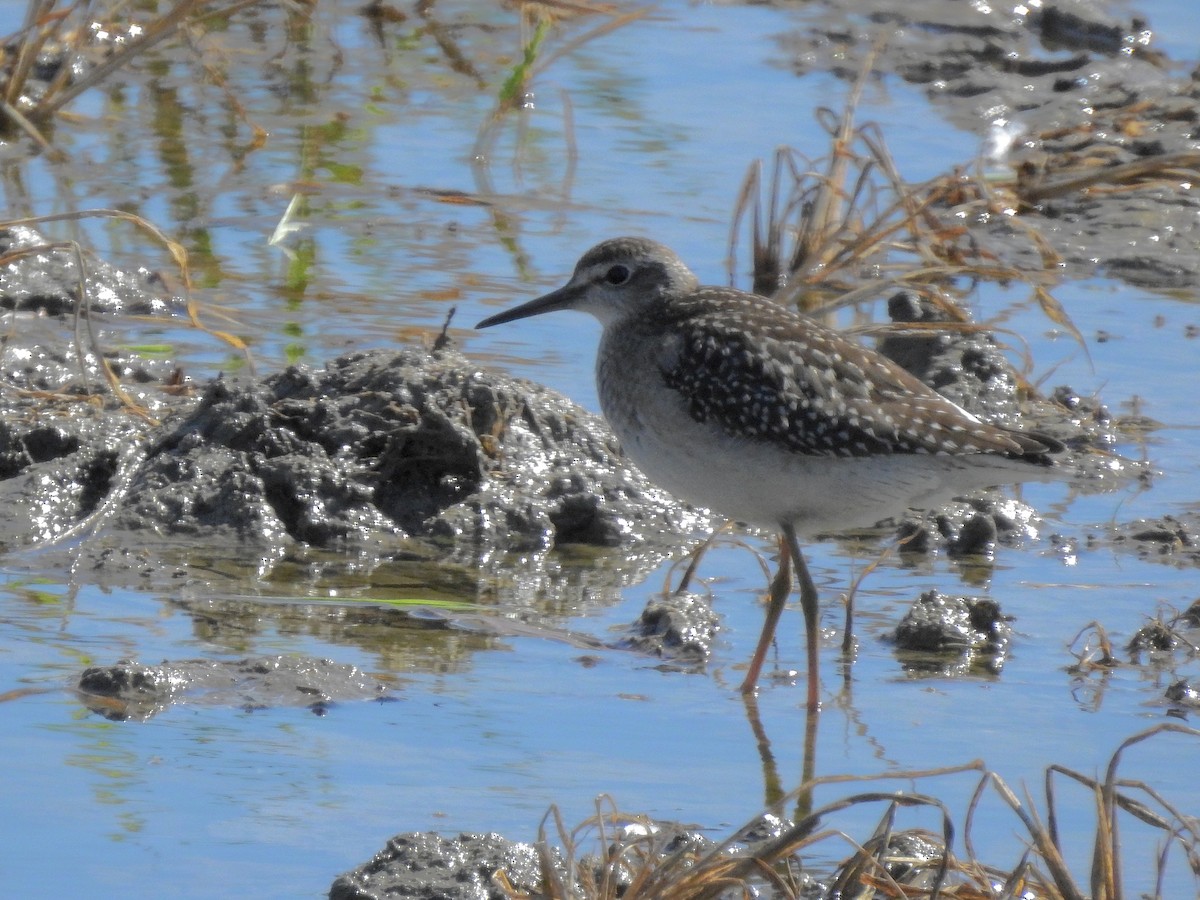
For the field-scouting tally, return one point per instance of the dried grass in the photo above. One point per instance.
(69, 33)
(833, 232)
(637, 859)
(86, 334)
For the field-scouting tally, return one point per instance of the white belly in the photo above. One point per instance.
(762, 483)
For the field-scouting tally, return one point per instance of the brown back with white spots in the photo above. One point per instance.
(762, 371)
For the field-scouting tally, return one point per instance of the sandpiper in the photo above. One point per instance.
(734, 402)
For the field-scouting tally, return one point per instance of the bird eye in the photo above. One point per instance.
(617, 275)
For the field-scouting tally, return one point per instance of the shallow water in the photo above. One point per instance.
(488, 732)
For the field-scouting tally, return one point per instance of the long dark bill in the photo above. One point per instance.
(563, 298)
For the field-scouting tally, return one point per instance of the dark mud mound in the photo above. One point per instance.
(47, 280)
(490, 867)
(393, 453)
(381, 447)
(947, 636)
(427, 866)
(1170, 539)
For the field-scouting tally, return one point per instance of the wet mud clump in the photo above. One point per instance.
(427, 866)
(381, 450)
(679, 628)
(387, 446)
(132, 690)
(1172, 539)
(944, 636)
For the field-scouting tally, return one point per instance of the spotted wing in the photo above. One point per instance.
(764, 372)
